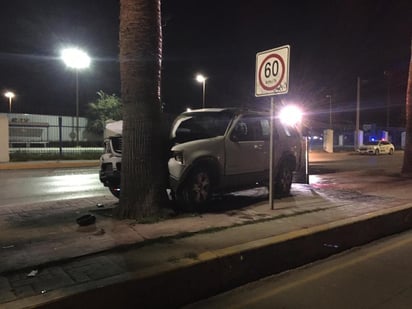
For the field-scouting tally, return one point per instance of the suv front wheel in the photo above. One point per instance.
(196, 190)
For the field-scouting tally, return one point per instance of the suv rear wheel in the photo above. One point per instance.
(197, 189)
(283, 181)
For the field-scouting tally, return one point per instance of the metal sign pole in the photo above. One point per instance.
(272, 103)
(306, 160)
(272, 78)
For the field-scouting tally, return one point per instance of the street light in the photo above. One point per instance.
(330, 110)
(10, 95)
(77, 59)
(201, 79)
(357, 113)
(388, 98)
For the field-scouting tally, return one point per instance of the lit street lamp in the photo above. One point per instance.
(77, 59)
(201, 79)
(10, 95)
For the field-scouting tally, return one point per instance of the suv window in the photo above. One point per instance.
(290, 131)
(251, 128)
(194, 126)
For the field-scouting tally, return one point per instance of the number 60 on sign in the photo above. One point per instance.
(272, 71)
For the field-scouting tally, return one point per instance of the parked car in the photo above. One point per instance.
(377, 148)
(221, 150)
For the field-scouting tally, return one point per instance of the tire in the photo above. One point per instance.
(391, 151)
(196, 191)
(115, 191)
(377, 152)
(283, 181)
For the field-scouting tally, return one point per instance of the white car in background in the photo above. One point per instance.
(377, 148)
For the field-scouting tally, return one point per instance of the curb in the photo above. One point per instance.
(189, 280)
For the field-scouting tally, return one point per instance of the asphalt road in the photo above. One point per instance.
(378, 275)
(30, 186)
(321, 162)
(37, 185)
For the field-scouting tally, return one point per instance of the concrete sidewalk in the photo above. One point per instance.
(48, 260)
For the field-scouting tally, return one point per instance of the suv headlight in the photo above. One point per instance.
(107, 148)
(178, 156)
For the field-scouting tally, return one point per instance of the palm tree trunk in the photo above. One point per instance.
(140, 41)
(407, 159)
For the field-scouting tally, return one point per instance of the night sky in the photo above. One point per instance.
(332, 42)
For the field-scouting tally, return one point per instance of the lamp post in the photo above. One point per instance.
(358, 140)
(357, 113)
(388, 98)
(10, 95)
(330, 110)
(77, 59)
(201, 79)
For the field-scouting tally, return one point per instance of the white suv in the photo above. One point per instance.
(228, 149)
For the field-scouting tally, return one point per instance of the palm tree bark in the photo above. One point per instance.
(407, 159)
(140, 41)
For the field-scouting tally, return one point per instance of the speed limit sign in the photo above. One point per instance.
(272, 71)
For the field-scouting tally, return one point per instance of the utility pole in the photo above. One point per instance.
(388, 98)
(357, 113)
(330, 110)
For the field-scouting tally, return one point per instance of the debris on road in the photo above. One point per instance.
(86, 220)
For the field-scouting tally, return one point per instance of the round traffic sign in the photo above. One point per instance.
(271, 72)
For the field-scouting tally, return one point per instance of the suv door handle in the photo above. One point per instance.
(258, 147)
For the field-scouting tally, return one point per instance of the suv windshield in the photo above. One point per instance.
(200, 125)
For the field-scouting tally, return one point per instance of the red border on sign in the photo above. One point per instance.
(281, 77)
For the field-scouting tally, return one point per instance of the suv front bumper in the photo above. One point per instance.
(110, 170)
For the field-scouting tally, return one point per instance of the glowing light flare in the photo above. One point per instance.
(9, 95)
(290, 115)
(75, 58)
(200, 78)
